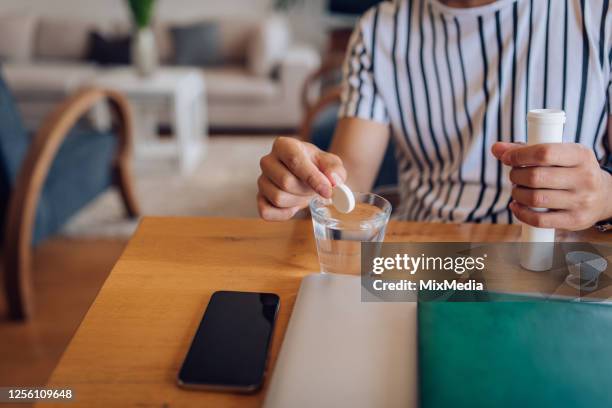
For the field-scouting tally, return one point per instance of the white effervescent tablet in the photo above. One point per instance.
(343, 199)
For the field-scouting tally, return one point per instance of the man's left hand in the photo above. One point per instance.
(563, 177)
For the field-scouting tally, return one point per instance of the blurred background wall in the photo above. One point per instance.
(304, 17)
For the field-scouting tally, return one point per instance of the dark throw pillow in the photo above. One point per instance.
(197, 44)
(109, 51)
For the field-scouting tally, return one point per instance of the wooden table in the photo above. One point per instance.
(130, 345)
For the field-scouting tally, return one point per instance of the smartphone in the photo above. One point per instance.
(230, 349)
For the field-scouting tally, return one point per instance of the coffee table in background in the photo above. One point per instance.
(172, 94)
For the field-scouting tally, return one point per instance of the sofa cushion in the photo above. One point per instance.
(237, 84)
(235, 36)
(197, 44)
(16, 37)
(109, 51)
(235, 33)
(61, 39)
(268, 45)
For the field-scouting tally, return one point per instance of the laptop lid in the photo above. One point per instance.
(339, 351)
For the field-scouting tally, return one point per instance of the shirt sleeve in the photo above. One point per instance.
(360, 93)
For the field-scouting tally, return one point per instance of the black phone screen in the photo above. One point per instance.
(230, 348)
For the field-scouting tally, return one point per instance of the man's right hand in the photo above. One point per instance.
(291, 174)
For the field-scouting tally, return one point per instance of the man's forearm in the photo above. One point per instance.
(361, 144)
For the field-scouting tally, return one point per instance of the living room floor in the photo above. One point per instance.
(70, 269)
(67, 275)
(224, 184)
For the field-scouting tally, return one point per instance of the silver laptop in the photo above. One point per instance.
(340, 352)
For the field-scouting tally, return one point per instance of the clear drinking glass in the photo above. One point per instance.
(339, 236)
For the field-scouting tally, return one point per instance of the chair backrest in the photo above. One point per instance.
(13, 146)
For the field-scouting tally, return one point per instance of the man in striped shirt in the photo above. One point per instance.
(452, 81)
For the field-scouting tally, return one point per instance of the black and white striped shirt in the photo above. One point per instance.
(450, 82)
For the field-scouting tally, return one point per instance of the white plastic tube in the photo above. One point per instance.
(537, 251)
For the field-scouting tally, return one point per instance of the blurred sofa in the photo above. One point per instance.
(255, 83)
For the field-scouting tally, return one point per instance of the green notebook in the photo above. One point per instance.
(523, 353)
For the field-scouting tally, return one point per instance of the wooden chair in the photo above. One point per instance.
(320, 91)
(28, 189)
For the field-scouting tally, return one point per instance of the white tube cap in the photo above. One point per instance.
(546, 116)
